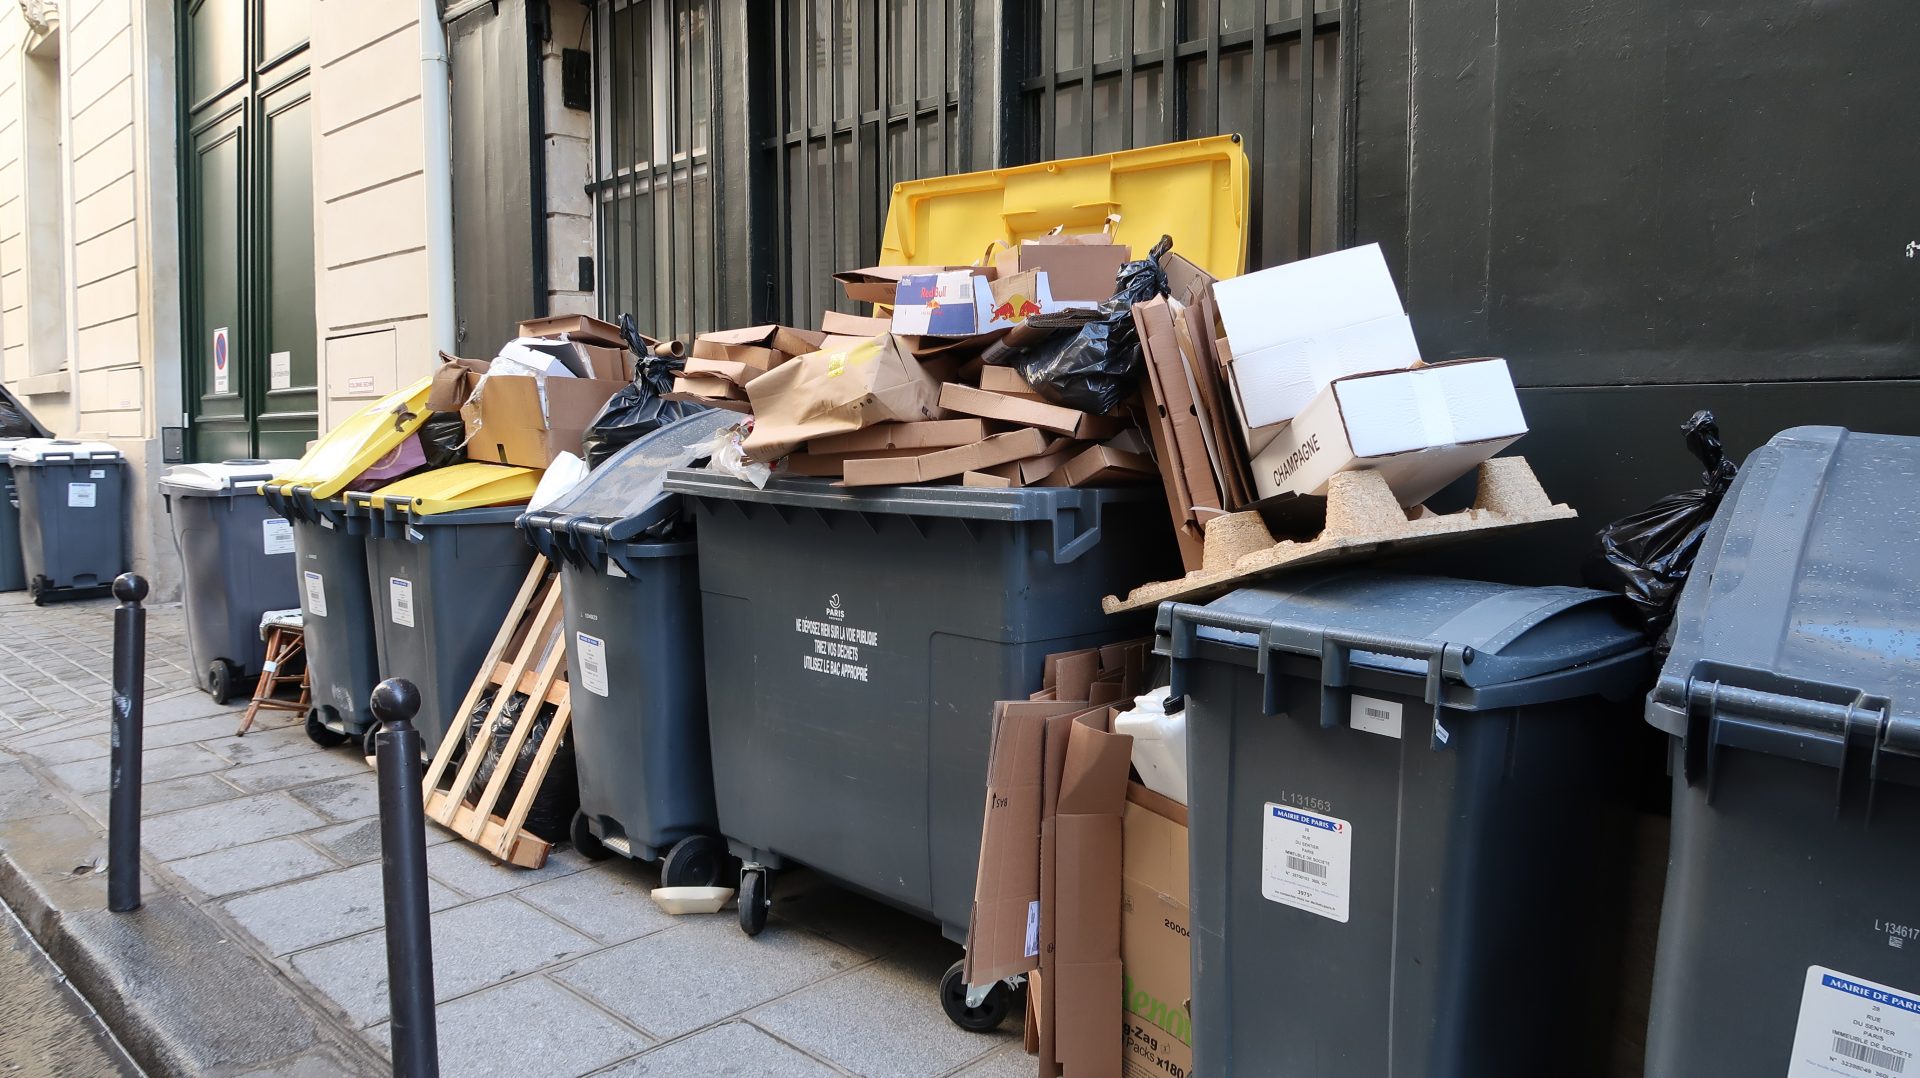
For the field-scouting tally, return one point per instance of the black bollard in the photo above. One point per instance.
(129, 707)
(403, 860)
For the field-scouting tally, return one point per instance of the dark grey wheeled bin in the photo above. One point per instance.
(855, 643)
(632, 596)
(1407, 804)
(72, 498)
(1790, 933)
(237, 563)
(343, 663)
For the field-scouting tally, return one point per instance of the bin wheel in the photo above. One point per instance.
(584, 841)
(753, 900)
(694, 861)
(370, 741)
(318, 733)
(982, 1019)
(37, 589)
(221, 678)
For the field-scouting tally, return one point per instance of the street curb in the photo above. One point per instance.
(181, 994)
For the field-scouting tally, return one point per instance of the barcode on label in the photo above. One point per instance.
(1849, 1048)
(1378, 713)
(1311, 868)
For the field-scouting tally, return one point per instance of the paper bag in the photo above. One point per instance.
(833, 392)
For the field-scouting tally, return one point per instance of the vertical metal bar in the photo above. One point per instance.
(943, 128)
(1257, 135)
(1216, 16)
(860, 214)
(643, 151)
(1086, 75)
(1170, 73)
(607, 283)
(833, 137)
(129, 713)
(806, 158)
(403, 860)
(782, 242)
(714, 143)
(884, 61)
(1049, 63)
(671, 27)
(1303, 243)
(1126, 75)
(913, 88)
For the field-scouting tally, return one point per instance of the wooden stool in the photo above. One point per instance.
(286, 640)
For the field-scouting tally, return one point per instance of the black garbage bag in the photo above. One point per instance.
(551, 815)
(637, 409)
(1093, 365)
(16, 421)
(443, 439)
(1648, 554)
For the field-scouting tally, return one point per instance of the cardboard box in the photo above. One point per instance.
(1179, 442)
(986, 479)
(1034, 470)
(826, 393)
(1420, 429)
(877, 284)
(605, 363)
(1006, 380)
(1298, 326)
(1101, 465)
(961, 303)
(454, 382)
(737, 373)
(922, 435)
(1003, 934)
(507, 424)
(575, 327)
(833, 465)
(1082, 268)
(705, 387)
(759, 347)
(1155, 947)
(946, 463)
(1027, 413)
(837, 324)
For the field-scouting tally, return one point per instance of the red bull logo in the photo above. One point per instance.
(1016, 309)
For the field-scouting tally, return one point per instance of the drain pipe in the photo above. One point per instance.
(435, 101)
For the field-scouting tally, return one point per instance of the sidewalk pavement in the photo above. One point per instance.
(260, 952)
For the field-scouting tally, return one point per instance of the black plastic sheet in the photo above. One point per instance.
(1094, 366)
(637, 409)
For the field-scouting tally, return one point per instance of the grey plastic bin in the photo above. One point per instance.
(1407, 807)
(632, 596)
(72, 498)
(237, 561)
(13, 573)
(343, 663)
(1790, 934)
(441, 585)
(855, 643)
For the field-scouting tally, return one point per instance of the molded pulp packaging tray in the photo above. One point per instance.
(856, 642)
(1383, 888)
(1790, 935)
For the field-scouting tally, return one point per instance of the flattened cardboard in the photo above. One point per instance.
(839, 324)
(1006, 380)
(1080, 851)
(1082, 269)
(946, 463)
(1101, 465)
(1033, 470)
(1027, 413)
(926, 434)
(1178, 441)
(986, 479)
(876, 284)
(1155, 947)
(963, 303)
(826, 393)
(760, 347)
(576, 327)
(737, 373)
(506, 426)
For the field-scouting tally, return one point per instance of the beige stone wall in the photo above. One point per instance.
(370, 239)
(570, 234)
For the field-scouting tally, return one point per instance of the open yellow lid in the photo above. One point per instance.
(472, 485)
(358, 442)
(1194, 191)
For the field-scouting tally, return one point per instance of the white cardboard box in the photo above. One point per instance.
(1297, 327)
(1421, 429)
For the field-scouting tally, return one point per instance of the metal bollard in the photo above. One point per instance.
(403, 859)
(129, 707)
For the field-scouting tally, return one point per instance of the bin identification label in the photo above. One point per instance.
(316, 594)
(276, 535)
(1375, 716)
(834, 646)
(96, 473)
(1854, 1027)
(614, 570)
(81, 495)
(593, 662)
(400, 600)
(1306, 861)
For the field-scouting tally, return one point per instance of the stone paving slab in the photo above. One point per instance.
(247, 868)
(295, 916)
(731, 1050)
(548, 1023)
(898, 1035)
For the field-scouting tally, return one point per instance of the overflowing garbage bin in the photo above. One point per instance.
(1789, 938)
(1406, 809)
(443, 564)
(72, 500)
(331, 553)
(237, 563)
(631, 590)
(855, 643)
(13, 574)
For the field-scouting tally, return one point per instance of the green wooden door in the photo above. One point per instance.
(247, 229)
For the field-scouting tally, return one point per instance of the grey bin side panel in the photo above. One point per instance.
(463, 580)
(230, 578)
(642, 751)
(1486, 915)
(72, 546)
(13, 574)
(343, 663)
(868, 764)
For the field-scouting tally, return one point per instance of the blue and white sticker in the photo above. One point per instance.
(400, 600)
(1306, 861)
(1853, 1027)
(316, 594)
(276, 535)
(593, 663)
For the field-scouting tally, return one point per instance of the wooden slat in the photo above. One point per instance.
(556, 693)
(457, 722)
(544, 640)
(542, 629)
(536, 773)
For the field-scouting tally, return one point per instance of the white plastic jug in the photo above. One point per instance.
(1159, 744)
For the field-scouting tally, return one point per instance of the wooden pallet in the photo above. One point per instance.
(1363, 520)
(537, 668)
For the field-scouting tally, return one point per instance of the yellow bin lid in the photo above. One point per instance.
(472, 485)
(1194, 191)
(358, 442)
